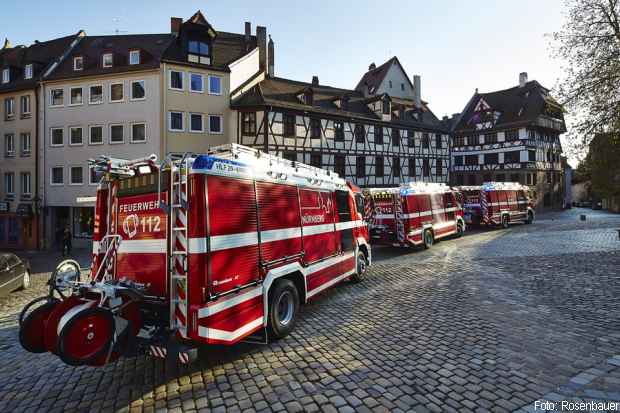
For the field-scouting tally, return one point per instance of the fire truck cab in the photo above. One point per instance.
(497, 203)
(414, 214)
(200, 249)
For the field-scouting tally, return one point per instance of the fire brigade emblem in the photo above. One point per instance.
(130, 225)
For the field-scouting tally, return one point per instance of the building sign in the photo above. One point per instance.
(4, 207)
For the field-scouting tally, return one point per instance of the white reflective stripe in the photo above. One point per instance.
(280, 234)
(348, 225)
(330, 283)
(96, 246)
(416, 232)
(72, 312)
(224, 335)
(327, 263)
(143, 246)
(230, 302)
(198, 245)
(425, 213)
(471, 205)
(223, 242)
(443, 225)
(506, 203)
(384, 216)
(318, 229)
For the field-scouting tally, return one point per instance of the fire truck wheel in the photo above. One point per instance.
(31, 327)
(530, 217)
(86, 336)
(504, 221)
(459, 229)
(428, 239)
(283, 308)
(361, 268)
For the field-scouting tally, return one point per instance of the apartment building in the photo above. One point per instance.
(20, 203)
(512, 135)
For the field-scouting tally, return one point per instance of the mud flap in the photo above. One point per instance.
(174, 352)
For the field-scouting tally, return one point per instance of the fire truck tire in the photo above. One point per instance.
(283, 308)
(360, 268)
(31, 327)
(530, 217)
(86, 337)
(504, 221)
(428, 239)
(459, 229)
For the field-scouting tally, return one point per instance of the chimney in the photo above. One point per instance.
(248, 31)
(270, 58)
(7, 44)
(522, 79)
(417, 93)
(175, 25)
(372, 66)
(456, 115)
(261, 40)
(445, 118)
(315, 80)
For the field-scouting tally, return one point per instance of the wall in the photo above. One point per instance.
(397, 77)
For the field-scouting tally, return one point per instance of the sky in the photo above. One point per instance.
(454, 46)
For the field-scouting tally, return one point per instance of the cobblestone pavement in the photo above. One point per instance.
(493, 321)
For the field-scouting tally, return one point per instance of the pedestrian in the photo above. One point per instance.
(66, 241)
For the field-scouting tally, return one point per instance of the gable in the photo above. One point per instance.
(482, 106)
(396, 83)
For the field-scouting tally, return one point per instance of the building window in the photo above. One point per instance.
(426, 168)
(196, 122)
(378, 135)
(289, 125)
(93, 177)
(438, 141)
(75, 136)
(438, 167)
(24, 103)
(395, 137)
(402, 87)
(76, 177)
(175, 121)
(379, 167)
(95, 135)
(58, 137)
(512, 157)
(289, 155)
(512, 135)
(360, 166)
(500, 178)
(471, 159)
(6, 76)
(338, 131)
(26, 182)
(25, 144)
(458, 160)
(490, 138)
(58, 175)
(215, 85)
(390, 84)
(396, 167)
(491, 158)
(107, 60)
(83, 222)
(138, 132)
(138, 91)
(28, 72)
(176, 80)
(459, 141)
(78, 63)
(339, 165)
(315, 128)
(198, 48)
(9, 183)
(196, 83)
(76, 96)
(9, 108)
(116, 92)
(56, 97)
(385, 106)
(117, 134)
(248, 125)
(531, 155)
(514, 178)
(9, 145)
(360, 133)
(134, 57)
(315, 160)
(95, 94)
(411, 167)
(215, 124)
(425, 141)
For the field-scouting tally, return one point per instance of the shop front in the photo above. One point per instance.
(18, 227)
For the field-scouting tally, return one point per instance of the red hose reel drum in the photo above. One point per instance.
(32, 325)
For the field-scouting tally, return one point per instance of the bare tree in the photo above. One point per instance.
(589, 43)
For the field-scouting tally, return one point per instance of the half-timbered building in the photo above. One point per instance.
(373, 136)
(511, 135)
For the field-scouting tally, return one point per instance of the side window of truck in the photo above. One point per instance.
(359, 204)
(342, 204)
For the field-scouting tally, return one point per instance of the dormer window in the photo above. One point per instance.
(78, 63)
(28, 72)
(198, 52)
(134, 57)
(6, 76)
(107, 60)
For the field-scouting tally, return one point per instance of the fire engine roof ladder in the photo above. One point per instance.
(177, 210)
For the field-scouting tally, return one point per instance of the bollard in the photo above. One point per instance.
(582, 217)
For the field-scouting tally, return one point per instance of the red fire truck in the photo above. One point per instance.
(414, 214)
(200, 249)
(497, 203)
